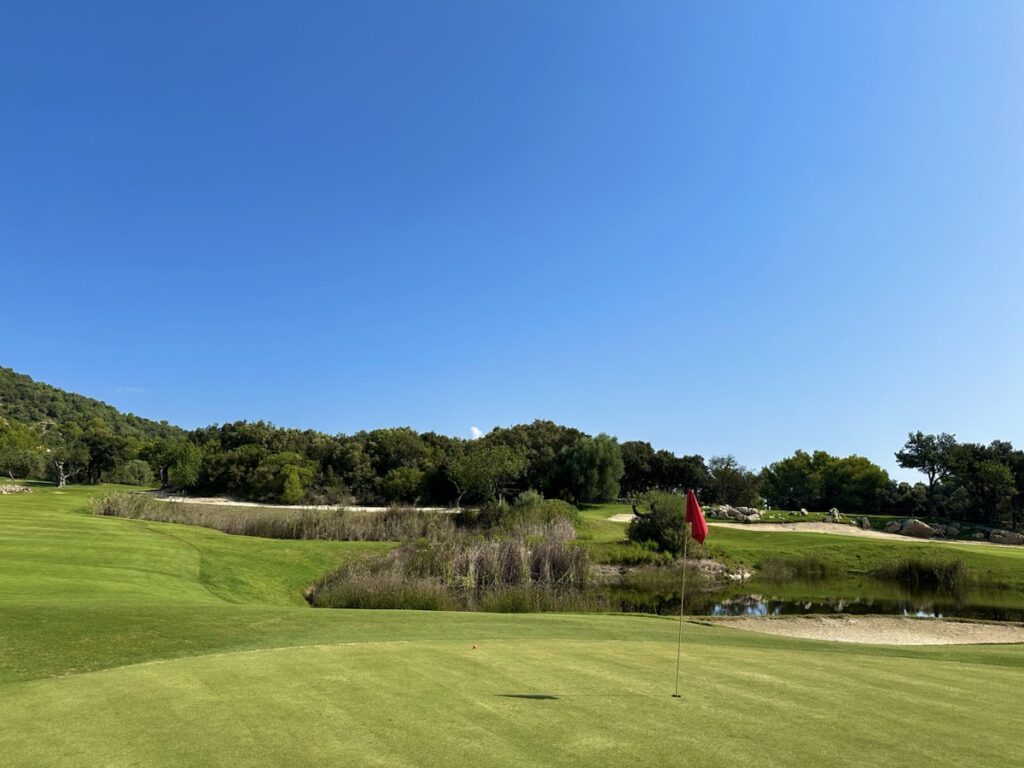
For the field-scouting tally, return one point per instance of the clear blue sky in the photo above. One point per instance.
(724, 228)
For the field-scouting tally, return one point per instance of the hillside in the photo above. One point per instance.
(33, 403)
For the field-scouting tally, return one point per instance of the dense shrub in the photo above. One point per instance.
(927, 574)
(660, 521)
(528, 508)
(533, 567)
(134, 472)
(808, 568)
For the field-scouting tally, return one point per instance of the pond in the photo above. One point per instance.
(859, 598)
(921, 607)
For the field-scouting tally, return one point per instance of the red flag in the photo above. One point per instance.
(695, 517)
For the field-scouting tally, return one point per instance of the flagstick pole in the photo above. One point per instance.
(682, 599)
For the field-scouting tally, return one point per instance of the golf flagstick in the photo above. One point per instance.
(682, 600)
(698, 530)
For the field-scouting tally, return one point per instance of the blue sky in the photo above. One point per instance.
(724, 228)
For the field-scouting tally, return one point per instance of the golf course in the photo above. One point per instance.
(132, 643)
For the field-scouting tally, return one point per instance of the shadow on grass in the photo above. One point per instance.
(531, 696)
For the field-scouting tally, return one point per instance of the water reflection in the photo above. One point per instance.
(933, 607)
(992, 606)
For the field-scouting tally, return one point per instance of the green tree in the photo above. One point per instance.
(183, 472)
(731, 483)
(854, 484)
(591, 469)
(132, 472)
(22, 453)
(292, 489)
(403, 484)
(66, 452)
(637, 465)
(932, 455)
(483, 471)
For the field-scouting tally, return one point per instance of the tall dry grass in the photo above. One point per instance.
(533, 567)
(394, 524)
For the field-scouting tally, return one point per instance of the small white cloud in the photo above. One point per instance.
(129, 390)
(476, 432)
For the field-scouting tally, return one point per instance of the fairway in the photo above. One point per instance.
(126, 643)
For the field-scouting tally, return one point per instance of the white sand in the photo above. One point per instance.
(880, 630)
(222, 502)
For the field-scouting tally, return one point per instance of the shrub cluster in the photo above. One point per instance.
(807, 568)
(927, 574)
(536, 566)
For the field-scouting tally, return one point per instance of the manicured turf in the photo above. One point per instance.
(124, 643)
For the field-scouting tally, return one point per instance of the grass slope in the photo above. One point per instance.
(853, 554)
(125, 643)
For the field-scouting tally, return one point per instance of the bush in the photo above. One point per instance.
(529, 508)
(927, 574)
(809, 568)
(634, 553)
(134, 472)
(660, 520)
(365, 589)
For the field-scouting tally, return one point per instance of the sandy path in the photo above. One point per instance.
(221, 502)
(830, 528)
(881, 630)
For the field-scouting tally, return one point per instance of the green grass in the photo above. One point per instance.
(853, 555)
(126, 643)
(858, 555)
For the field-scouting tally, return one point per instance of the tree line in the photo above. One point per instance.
(46, 433)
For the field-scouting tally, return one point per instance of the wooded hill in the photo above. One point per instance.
(46, 432)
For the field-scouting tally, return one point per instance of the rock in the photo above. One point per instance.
(834, 512)
(865, 524)
(893, 526)
(914, 527)
(803, 511)
(754, 518)
(735, 514)
(14, 489)
(978, 536)
(1005, 537)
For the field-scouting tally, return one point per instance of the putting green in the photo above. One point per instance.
(133, 644)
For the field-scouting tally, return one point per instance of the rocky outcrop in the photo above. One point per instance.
(916, 528)
(735, 514)
(999, 536)
(834, 516)
(14, 489)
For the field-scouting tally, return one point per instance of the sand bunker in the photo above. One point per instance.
(880, 630)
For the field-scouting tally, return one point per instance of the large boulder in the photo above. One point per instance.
(735, 514)
(804, 512)
(864, 523)
(893, 526)
(1005, 537)
(918, 529)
